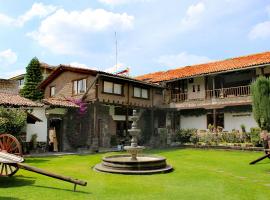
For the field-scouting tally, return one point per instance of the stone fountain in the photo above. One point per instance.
(134, 162)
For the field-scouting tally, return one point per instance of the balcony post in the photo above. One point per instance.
(213, 84)
(214, 119)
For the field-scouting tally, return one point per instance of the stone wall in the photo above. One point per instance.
(9, 86)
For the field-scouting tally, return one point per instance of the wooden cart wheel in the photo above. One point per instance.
(9, 144)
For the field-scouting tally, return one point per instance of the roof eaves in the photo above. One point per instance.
(129, 79)
(217, 72)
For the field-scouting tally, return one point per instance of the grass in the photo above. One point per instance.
(199, 174)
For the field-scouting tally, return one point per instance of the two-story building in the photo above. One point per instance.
(46, 70)
(216, 93)
(106, 102)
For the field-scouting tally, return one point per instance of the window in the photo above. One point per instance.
(193, 88)
(140, 92)
(52, 91)
(198, 88)
(117, 89)
(21, 82)
(112, 88)
(79, 86)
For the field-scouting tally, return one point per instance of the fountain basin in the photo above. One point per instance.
(123, 164)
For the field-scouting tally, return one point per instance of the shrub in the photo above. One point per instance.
(255, 136)
(260, 90)
(12, 120)
(184, 135)
(113, 141)
(33, 141)
(194, 139)
(243, 128)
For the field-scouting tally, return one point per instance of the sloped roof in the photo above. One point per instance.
(93, 72)
(63, 68)
(236, 63)
(60, 102)
(15, 100)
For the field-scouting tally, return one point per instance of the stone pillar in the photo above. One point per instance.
(169, 127)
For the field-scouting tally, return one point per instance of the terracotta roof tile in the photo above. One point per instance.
(207, 68)
(7, 99)
(60, 102)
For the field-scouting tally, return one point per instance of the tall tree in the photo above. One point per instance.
(33, 78)
(261, 102)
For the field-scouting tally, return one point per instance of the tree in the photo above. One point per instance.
(260, 90)
(12, 120)
(33, 78)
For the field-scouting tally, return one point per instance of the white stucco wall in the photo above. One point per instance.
(197, 94)
(234, 121)
(39, 128)
(193, 122)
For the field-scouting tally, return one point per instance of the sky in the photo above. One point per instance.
(152, 35)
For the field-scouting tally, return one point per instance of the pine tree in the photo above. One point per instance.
(260, 90)
(33, 78)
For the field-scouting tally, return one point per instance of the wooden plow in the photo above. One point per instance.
(11, 161)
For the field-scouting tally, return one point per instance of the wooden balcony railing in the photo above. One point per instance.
(217, 93)
(180, 97)
(228, 92)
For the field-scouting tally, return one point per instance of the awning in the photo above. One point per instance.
(32, 119)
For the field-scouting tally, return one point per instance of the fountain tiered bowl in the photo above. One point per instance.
(134, 162)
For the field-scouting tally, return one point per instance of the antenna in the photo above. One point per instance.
(116, 51)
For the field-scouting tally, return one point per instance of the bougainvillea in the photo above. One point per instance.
(82, 105)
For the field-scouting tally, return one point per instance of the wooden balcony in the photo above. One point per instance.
(240, 91)
(222, 93)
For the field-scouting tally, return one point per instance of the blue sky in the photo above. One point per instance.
(152, 34)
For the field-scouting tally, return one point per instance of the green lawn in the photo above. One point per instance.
(198, 174)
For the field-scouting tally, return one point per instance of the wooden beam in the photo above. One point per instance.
(90, 86)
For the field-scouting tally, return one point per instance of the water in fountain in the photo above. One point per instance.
(134, 163)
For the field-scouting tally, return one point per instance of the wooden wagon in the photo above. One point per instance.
(11, 161)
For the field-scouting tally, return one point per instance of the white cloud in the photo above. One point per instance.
(182, 59)
(64, 32)
(118, 2)
(13, 73)
(7, 58)
(5, 20)
(37, 10)
(116, 68)
(260, 30)
(193, 16)
(81, 65)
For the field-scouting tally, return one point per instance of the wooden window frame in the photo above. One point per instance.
(141, 88)
(78, 92)
(113, 92)
(53, 86)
